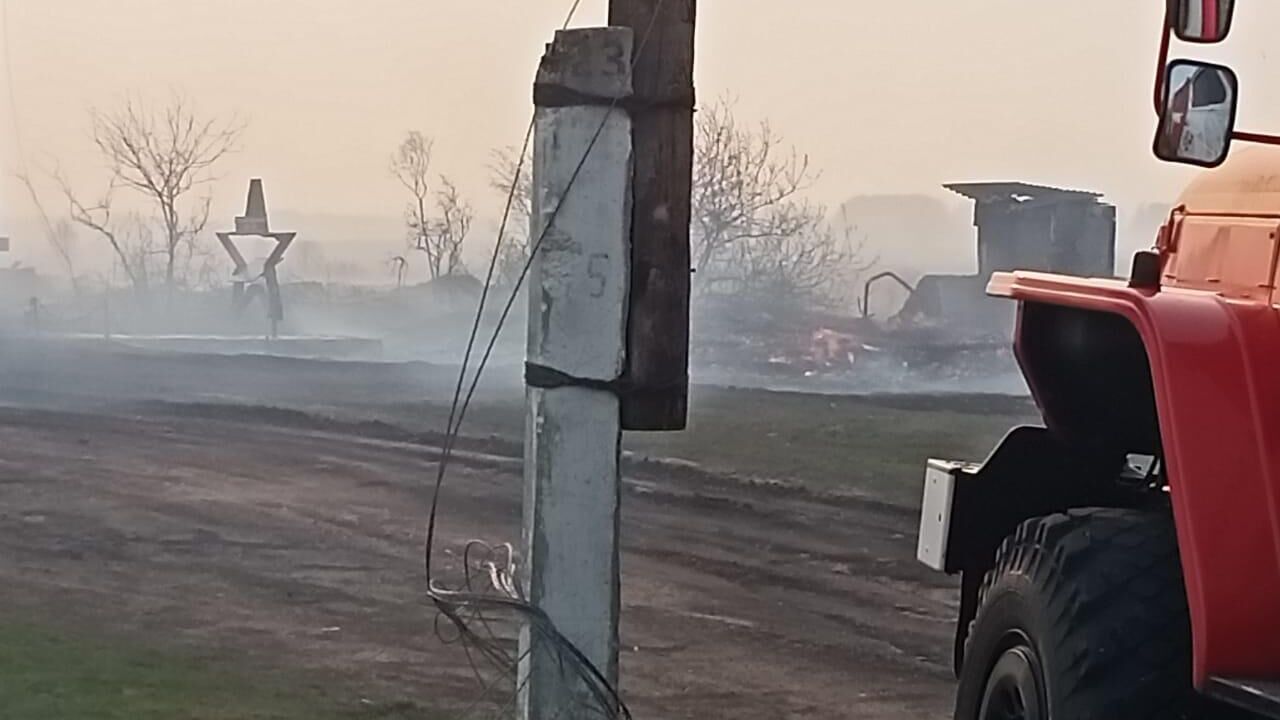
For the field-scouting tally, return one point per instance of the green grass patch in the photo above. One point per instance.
(872, 444)
(54, 673)
(876, 445)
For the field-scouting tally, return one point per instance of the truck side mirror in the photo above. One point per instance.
(1202, 21)
(1197, 114)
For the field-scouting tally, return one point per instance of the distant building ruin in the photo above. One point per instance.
(1020, 226)
(1033, 227)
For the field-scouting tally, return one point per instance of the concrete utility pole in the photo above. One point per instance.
(576, 352)
(662, 135)
(608, 317)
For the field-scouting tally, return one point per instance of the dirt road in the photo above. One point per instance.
(301, 546)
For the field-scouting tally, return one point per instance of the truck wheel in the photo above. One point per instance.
(1083, 617)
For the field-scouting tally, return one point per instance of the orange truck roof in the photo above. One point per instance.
(1248, 183)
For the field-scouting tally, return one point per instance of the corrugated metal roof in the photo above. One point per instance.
(1015, 191)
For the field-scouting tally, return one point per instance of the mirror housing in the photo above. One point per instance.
(1146, 269)
(1197, 113)
(1202, 21)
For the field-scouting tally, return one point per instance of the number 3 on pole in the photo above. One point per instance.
(611, 62)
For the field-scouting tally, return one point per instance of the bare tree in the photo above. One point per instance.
(165, 154)
(810, 268)
(411, 165)
(746, 186)
(142, 249)
(201, 263)
(512, 178)
(752, 228)
(59, 234)
(96, 216)
(442, 242)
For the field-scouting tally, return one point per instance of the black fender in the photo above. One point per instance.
(1030, 473)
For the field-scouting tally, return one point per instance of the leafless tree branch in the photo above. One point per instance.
(445, 234)
(506, 173)
(97, 217)
(809, 266)
(746, 185)
(59, 235)
(411, 165)
(752, 225)
(164, 154)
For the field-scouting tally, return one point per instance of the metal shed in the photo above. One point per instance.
(1022, 226)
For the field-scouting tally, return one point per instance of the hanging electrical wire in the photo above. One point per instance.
(5, 42)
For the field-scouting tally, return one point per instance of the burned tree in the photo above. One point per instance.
(442, 242)
(510, 176)
(164, 155)
(753, 229)
(439, 237)
(411, 165)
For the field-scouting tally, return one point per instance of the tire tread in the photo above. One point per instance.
(1117, 642)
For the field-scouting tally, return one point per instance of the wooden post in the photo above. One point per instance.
(576, 353)
(662, 135)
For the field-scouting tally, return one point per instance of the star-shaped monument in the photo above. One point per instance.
(244, 279)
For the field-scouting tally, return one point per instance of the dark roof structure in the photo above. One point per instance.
(1017, 192)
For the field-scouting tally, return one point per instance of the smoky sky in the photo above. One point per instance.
(884, 97)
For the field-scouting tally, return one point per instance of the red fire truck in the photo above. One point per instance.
(1123, 560)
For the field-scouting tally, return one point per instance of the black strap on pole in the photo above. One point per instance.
(553, 95)
(549, 378)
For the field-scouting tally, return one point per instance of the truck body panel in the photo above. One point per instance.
(1213, 367)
